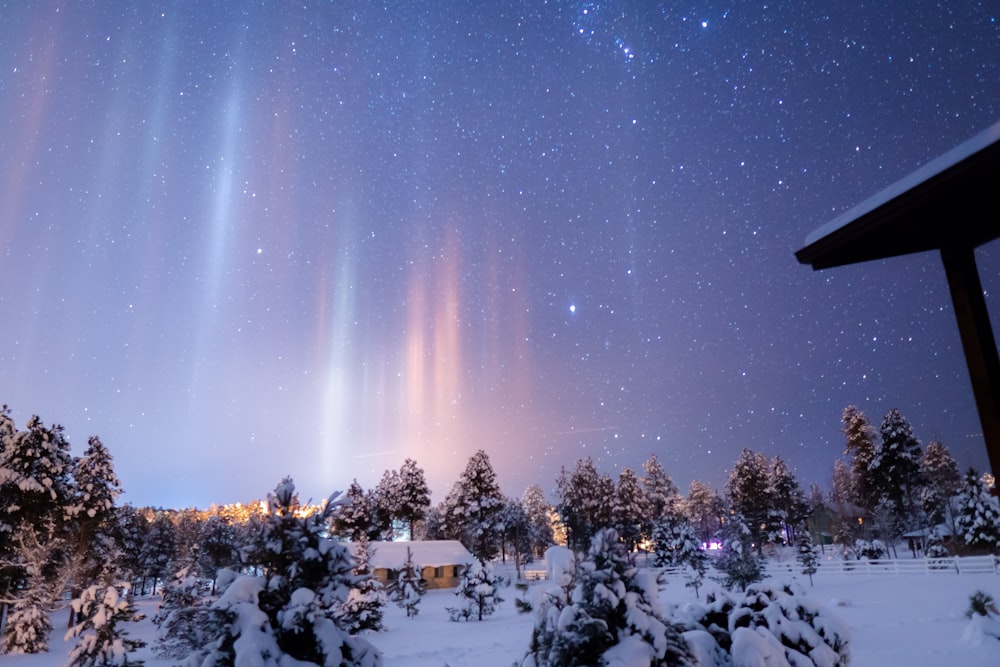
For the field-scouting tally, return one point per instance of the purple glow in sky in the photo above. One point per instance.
(246, 240)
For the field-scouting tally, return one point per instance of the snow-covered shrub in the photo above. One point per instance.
(984, 619)
(478, 591)
(873, 550)
(102, 642)
(609, 615)
(767, 625)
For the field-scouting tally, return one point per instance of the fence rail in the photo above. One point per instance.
(949, 565)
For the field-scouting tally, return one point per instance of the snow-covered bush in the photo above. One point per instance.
(609, 615)
(102, 642)
(776, 626)
(478, 591)
(874, 550)
(984, 619)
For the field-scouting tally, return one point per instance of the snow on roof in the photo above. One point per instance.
(936, 166)
(429, 553)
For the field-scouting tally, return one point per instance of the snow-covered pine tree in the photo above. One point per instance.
(218, 547)
(129, 528)
(29, 622)
(805, 553)
(36, 489)
(662, 499)
(750, 493)
(703, 509)
(478, 590)
(896, 466)
(159, 550)
(583, 502)
(629, 506)
(942, 480)
(409, 587)
(539, 520)
(738, 563)
(978, 516)
(355, 515)
(365, 601)
(789, 504)
(91, 514)
(515, 533)
(478, 507)
(101, 639)
(291, 609)
(414, 496)
(179, 618)
(386, 500)
(612, 616)
(860, 446)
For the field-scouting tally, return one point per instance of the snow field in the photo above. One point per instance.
(895, 621)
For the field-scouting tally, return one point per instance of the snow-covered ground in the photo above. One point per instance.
(896, 621)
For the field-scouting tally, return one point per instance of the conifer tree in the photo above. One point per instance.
(291, 608)
(738, 563)
(751, 494)
(704, 508)
(414, 496)
(180, 617)
(355, 515)
(102, 641)
(788, 501)
(629, 508)
(805, 553)
(218, 547)
(365, 601)
(860, 446)
(583, 502)
(978, 516)
(539, 519)
(611, 615)
(409, 588)
(478, 590)
(477, 507)
(942, 481)
(36, 492)
(895, 467)
(662, 499)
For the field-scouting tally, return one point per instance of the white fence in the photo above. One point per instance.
(950, 565)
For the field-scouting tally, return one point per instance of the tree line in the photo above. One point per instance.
(63, 530)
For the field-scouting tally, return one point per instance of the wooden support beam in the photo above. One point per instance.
(978, 343)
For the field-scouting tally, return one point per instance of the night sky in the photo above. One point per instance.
(244, 240)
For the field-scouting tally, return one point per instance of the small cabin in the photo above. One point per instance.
(441, 562)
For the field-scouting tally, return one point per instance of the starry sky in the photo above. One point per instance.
(244, 240)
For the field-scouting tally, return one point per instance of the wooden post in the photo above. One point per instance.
(978, 343)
